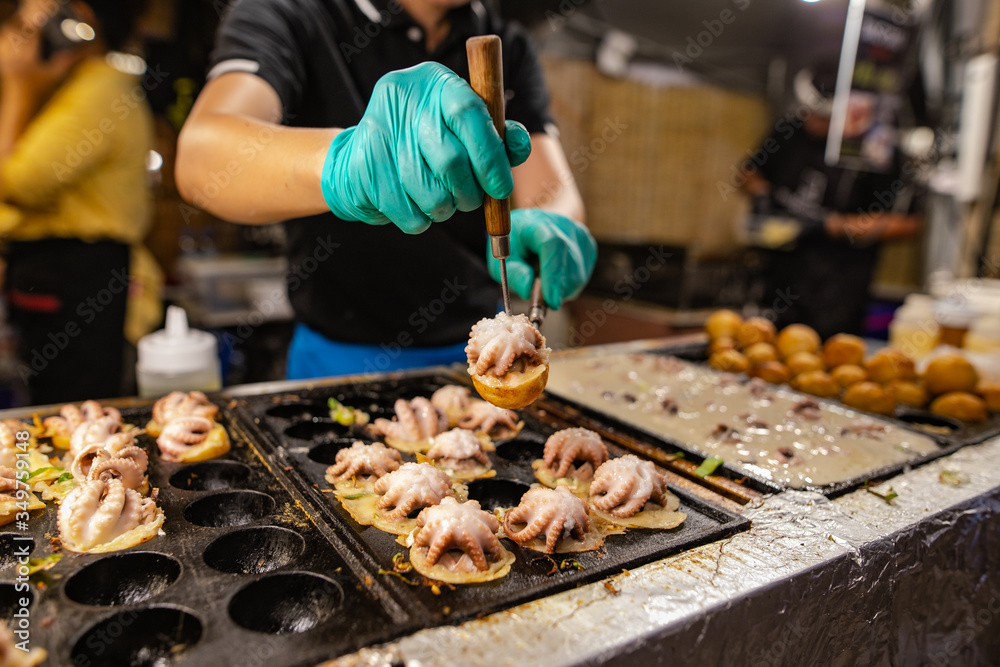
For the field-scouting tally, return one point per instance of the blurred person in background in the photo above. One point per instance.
(344, 117)
(75, 134)
(842, 213)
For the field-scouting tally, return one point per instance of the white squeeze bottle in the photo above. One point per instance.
(913, 329)
(177, 358)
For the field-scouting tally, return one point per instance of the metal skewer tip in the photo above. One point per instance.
(504, 287)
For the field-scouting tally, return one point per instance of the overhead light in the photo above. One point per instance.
(810, 1)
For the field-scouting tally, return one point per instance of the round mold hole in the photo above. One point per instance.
(325, 429)
(367, 401)
(210, 476)
(326, 453)
(521, 450)
(494, 493)
(286, 603)
(937, 424)
(11, 598)
(228, 509)
(123, 579)
(150, 637)
(11, 548)
(254, 550)
(298, 410)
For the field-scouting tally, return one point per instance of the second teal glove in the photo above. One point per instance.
(565, 249)
(425, 147)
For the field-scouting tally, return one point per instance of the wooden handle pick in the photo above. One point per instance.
(486, 76)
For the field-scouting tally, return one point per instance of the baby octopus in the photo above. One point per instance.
(575, 445)
(181, 434)
(179, 404)
(413, 486)
(71, 417)
(103, 515)
(363, 461)
(487, 418)
(119, 449)
(416, 421)
(504, 343)
(623, 486)
(461, 537)
(458, 450)
(453, 400)
(548, 513)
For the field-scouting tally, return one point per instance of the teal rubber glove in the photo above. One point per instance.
(565, 249)
(425, 148)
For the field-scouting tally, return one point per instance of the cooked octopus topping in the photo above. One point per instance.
(415, 420)
(361, 460)
(575, 452)
(504, 343)
(623, 486)
(413, 486)
(549, 513)
(459, 536)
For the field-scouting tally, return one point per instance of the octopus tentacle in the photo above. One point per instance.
(126, 470)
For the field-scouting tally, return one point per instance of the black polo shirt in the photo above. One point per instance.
(323, 58)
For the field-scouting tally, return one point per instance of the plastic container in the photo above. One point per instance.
(954, 317)
(177, 358)
(914, 329)
(984, 335)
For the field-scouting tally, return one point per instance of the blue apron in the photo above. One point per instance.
(312, 355)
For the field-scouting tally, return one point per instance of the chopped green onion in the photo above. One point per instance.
(40, 564)
(41, 470)
(355, 496)
(708, 466)
(887, 497)
(65, 477)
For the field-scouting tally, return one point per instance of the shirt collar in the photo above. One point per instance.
(467, 20)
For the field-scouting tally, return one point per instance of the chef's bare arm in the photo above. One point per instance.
(235, 159)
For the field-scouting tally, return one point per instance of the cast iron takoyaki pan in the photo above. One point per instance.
(304, 441)
(242, 576)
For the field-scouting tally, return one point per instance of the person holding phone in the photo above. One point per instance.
(74, 205)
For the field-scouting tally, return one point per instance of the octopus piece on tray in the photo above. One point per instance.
(461, 454)
(9, 446)
(11, 493)
(453, 400)
(397, 496)
(61, 428)
(12, 656)
(629, 492)
(498, 423)
(178, 404)
(103, 515)
(190, 439)
(119, 447)
(415, 423)
(508, 360)
(457, 543)
(359, 465)
(571, 456)
(95, 432)
(552, 521)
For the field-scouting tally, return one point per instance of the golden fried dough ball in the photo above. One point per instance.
(723, 324)
(758, 353)
(720, 344)
(797, 338)
(950, 372)
(774, 372)
(908, 393)
(803, 362)
(843, 349)
(849, 374)
(755, 330)
(817, 383)
(730, 361)
(870, 397)
(989, 391)
(889, 364)
(960, 405)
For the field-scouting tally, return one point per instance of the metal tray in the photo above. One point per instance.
(957, 432)
(294, 428)
(242, 576)
(695, 352)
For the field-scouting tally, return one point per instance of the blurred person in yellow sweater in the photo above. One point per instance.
(75, 134)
